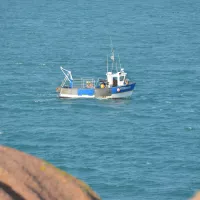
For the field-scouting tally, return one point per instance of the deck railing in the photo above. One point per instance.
(80, 83)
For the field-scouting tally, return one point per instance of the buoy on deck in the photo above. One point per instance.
(102, 85)
(58, 89)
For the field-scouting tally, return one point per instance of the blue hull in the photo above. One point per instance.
(121, 89)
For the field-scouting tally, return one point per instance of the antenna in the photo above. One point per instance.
(116, 67)
(107, 63)
(119, 62)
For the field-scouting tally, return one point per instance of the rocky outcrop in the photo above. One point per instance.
(197, 196)
(25, 177)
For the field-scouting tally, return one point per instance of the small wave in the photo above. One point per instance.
(42, 100)
(189, 128)
(148, 163)
(46, 95)
(1, 133)
(10, 94)
(37, 101)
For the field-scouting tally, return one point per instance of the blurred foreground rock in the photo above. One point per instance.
(196, 197)
(25, 177)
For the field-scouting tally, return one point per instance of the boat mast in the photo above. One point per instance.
(116, 67)
(119, 62)
(107, 63)
(112, 57)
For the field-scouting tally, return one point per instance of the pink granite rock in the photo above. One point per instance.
(196, 197)
(25, 177)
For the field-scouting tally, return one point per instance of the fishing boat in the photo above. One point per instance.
(116, 85)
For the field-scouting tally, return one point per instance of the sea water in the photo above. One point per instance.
(146, 147)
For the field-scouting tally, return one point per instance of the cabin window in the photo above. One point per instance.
(121, 78)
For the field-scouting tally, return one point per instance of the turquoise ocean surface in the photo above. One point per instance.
(146, 147)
